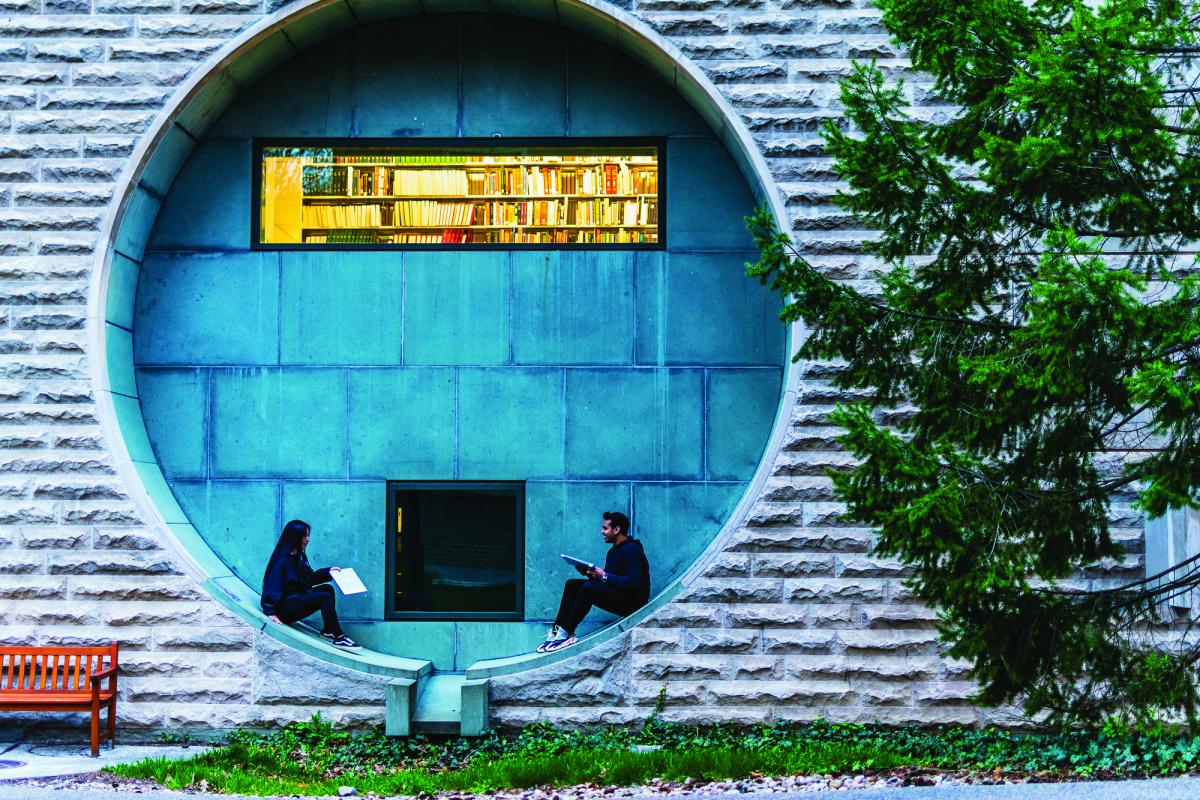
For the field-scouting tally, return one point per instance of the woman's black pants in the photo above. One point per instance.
(298, 606)
(579, 596)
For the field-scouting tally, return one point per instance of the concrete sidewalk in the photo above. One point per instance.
(44, 760)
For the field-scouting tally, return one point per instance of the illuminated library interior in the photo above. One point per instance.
(331, 195)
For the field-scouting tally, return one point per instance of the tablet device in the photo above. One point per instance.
(577, 562)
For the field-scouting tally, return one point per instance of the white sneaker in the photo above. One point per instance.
(562, 641)
(551, 635)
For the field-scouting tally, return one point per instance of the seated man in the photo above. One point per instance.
(622, 587)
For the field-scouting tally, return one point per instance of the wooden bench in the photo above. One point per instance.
(62, 679)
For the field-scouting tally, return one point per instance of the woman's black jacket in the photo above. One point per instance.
(289, 574)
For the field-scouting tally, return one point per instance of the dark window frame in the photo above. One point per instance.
(390, 611)
(258, 144)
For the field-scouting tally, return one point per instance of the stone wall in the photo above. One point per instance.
(796, 619)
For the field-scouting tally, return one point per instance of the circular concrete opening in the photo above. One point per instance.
(179, 237)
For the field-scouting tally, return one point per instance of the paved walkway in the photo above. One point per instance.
(1163, 789)
(33, 760)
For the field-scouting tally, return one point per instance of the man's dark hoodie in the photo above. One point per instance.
(628, 571)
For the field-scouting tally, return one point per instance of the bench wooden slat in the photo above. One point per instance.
(53, 678)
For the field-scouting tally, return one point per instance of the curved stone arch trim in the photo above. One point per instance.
(160, 155)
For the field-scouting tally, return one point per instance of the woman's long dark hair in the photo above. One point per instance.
(289, 540)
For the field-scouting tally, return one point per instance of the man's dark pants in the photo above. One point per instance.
(579, 596)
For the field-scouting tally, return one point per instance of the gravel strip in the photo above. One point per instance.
(790, 784)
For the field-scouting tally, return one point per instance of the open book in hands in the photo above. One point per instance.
(347, 580)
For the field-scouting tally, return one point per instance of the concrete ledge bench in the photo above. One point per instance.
(62, 679)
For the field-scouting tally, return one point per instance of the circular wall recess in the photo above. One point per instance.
(122, 365)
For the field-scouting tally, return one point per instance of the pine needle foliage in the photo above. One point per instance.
(1032, 355)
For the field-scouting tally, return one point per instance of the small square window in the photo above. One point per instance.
(456, 550)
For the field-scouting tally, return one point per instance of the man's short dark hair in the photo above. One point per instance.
(618, 520)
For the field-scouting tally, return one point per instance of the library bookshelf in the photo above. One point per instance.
(459, 196)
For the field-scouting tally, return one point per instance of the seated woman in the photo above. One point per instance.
(292, 589)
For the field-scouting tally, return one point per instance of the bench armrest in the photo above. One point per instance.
(109, 671)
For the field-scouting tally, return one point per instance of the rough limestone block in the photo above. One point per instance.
(687, 668)
(109, 563)
(55, 538)
(898, 616)
(286, 677)
(915, 643)
(184, 689)
(786, 642)
(143, 588)
(203, 638)
(689, 615)
(866, 567)
(721, 641)
(791, 566)
(52, 615)
(744, 591)
(864, 590)
(597, 676)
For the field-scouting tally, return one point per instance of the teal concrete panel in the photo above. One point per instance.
(601, 103)
(572, 307)
(122, 291)
(563, 517)
(340, 308)
(311, 95)
(700, 308)
(208, 308)
(279, 423)
(742, 405)
(676, 521)
(510, 424)
(249, 67)
(513, 78)
(238, 519)
(316, 27)
(372, 10)
(133, 428)
(348, 530)
(537, 9)
(208, 104)
(634, 423)
(191, 542)
(455, 308)
(429, 640)
(478, 640)
(175, 406)
(708, 197)
(209, 204)
(590, 22)
(402, 423)
(136, 225)
(406, 78)
(160, 494)
(697, 98)
(118, 347)
(170, 154)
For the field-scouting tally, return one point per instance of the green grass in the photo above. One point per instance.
(312, 758)
(234, 769)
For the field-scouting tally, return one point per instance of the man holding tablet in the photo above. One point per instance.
(621, 588)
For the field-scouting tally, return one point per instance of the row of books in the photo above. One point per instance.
(642, 211)
(607, 179)
(368, 215)
(462, 158)
(498, 236)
